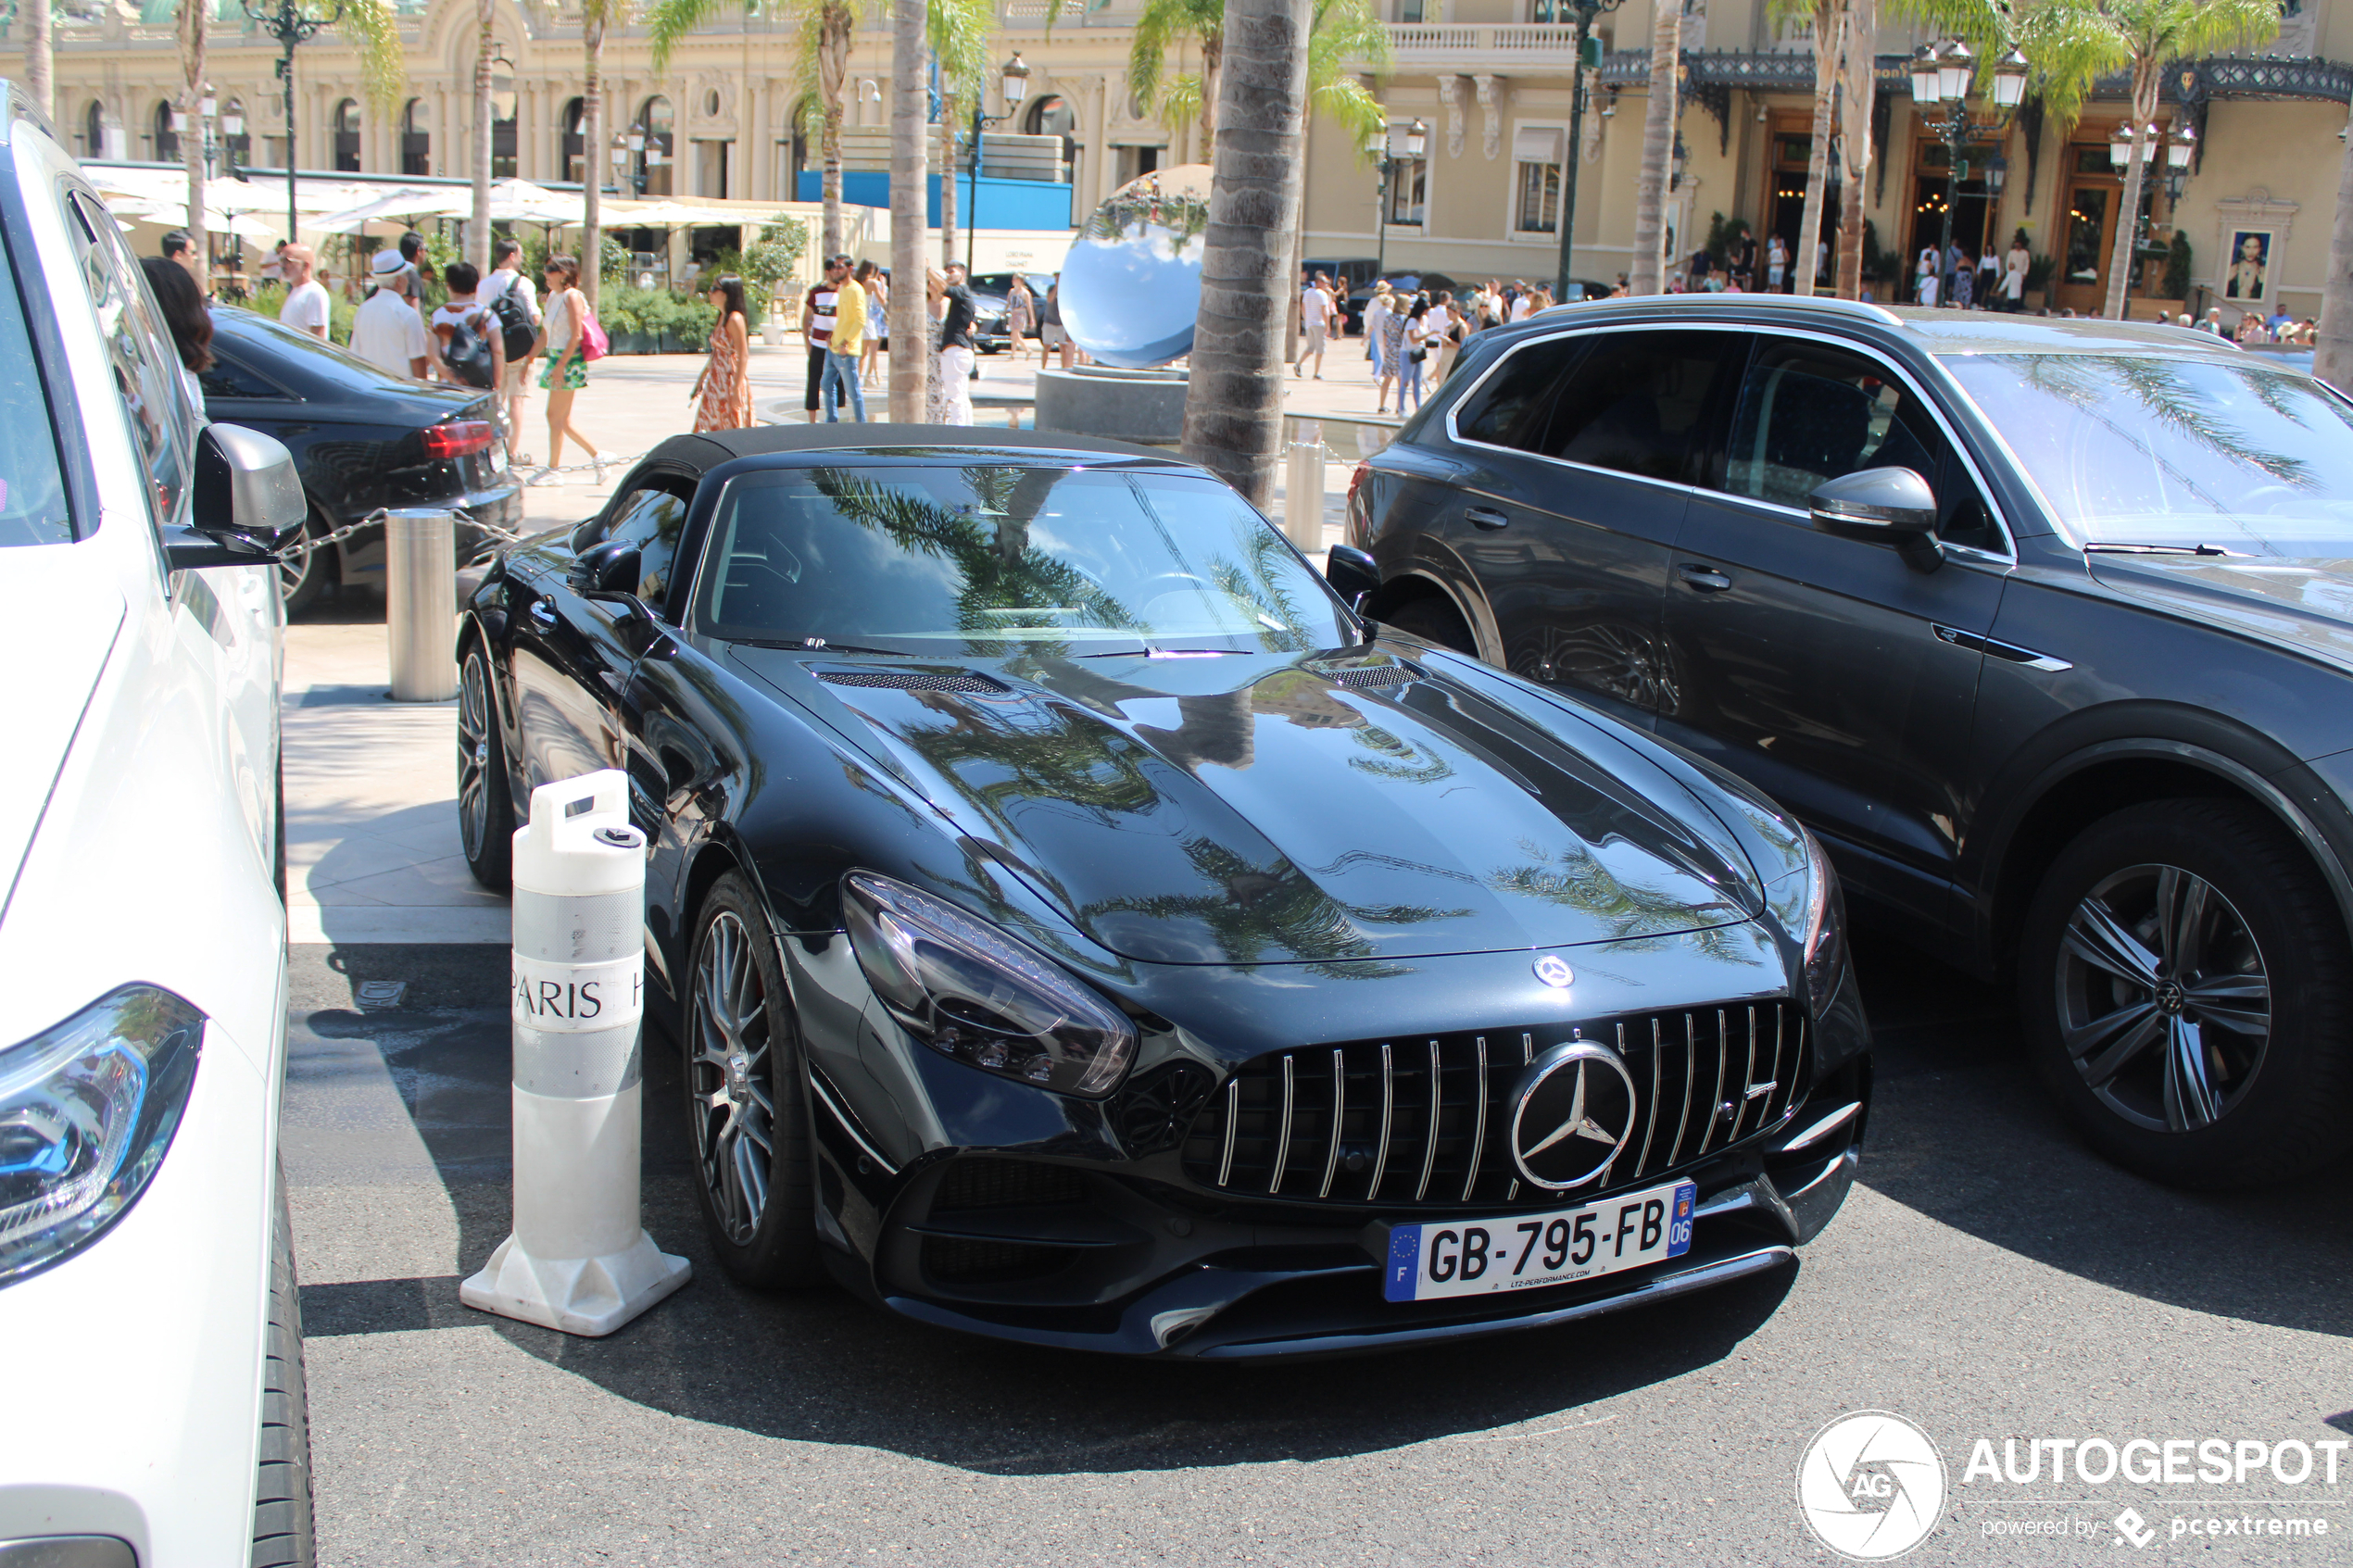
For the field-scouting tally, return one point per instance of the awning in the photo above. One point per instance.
(1535, 145)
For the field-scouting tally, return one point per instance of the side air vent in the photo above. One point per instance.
(1372, 677)
(915, 681)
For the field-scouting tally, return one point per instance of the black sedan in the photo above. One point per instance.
(1079, 928)
(361, 439)
(2044, 627)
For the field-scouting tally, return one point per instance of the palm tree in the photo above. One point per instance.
(909, 304)
(1160, 24)
(1859, 74)
(2333, 360)
(1829, 21)
(824, 30)
(1233, 410)
(960, 33)
(596, 17)
(2072, 44)
(1648, 275)
(194, 39)
(37, 52)
(478, 228)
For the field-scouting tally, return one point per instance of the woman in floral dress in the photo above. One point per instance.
(723, 393)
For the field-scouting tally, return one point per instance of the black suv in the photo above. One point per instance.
(2044, 627)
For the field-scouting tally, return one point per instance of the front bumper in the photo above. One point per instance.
(1025, 1216)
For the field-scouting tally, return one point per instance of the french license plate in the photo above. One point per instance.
(1529, 1252)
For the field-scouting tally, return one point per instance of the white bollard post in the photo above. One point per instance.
(1303, 486)
(578, 1259)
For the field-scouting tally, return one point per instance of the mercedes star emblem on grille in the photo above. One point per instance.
(1571, 1115)
(1555, 971)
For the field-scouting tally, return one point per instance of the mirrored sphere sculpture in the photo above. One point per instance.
(1131, 285)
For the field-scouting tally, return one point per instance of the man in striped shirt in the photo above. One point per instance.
(817, 320)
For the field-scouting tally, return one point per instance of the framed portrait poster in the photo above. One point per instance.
(2246, 269)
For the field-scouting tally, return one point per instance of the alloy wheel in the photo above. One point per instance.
(2164, 1003)
(296, 566)
(474, 757)
(730, 1078)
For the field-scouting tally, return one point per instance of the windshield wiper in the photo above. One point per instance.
(2111, 546)
(817, 645)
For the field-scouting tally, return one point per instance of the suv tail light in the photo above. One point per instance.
(1360, 526)
(458, 438)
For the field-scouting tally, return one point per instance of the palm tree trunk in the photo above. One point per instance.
(195, 38)
(1830, 36)
(2128, 217)
(1648, 274)
(910, 306)
(1213, 72)
(37, 71)
(949, 115)
(836, 30)
(592, 159)
(478, 226)
(2333, 360)
(1861, 74)
(1233, 407)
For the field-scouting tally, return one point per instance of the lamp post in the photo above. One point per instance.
(1941, 75)
(1586, 11)
(1382, 144)
(219, 131)
(290, 24)
(1013, 80)
(637, 154)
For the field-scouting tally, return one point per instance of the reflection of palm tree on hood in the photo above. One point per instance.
(1219, 728)
(1578, 881)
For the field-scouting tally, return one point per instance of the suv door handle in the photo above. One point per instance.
(542, 612)
(1487, 517)
(1706, 579)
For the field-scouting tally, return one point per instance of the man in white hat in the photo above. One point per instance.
(388, 332)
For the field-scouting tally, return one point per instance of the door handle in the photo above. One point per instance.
(542, 612)
(1487, 517)
(1706, 579)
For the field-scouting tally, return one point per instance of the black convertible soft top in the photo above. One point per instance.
(697, 455)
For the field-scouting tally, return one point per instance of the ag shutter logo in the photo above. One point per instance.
(1871, 1485)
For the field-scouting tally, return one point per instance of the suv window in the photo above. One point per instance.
(1499, 413)
(139, 352)
(1638, 402)
(1809, 413)
(229, 379)
(33, 509)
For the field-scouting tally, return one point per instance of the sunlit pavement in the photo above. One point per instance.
(1989, 1279)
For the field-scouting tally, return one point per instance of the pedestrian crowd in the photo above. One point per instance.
(1412, 336)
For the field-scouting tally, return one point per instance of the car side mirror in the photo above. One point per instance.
(1892, 505)
(609, 571)
(1352, 572)
(247, 503)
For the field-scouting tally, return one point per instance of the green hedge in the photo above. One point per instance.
(655, 312)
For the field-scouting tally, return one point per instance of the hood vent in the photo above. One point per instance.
(1372, 677)
(916, 681)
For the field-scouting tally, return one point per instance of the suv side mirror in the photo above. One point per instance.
(246, 504)
(1352, 571)
(1892, 505)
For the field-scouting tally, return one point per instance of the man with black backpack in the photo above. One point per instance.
(467, 350)
(507, 299)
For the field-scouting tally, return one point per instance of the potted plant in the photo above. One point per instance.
(2038, 281)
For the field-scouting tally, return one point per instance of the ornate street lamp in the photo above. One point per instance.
(2178, 150)
(1013, 85)
(1942, 76)
(290, 24)
(1587, 45)
(1382, 144)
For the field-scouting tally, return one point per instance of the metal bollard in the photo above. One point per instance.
(579, 1260)
(420, 603)
(1303, 486)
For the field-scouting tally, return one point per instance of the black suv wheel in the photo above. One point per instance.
(2187, 987)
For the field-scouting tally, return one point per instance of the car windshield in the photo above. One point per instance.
(986, 559)
(2226, 452)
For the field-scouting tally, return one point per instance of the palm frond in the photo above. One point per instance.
(959, 31)
(1361, 117)
(1180, 102)
(376, 32)
(671, 20)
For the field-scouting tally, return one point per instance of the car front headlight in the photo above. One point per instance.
(970, 992)
(1825, 928)
(87, 1110)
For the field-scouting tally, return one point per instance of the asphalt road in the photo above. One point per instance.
(1989, 1279)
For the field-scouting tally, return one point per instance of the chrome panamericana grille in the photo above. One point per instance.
(1426, 1120)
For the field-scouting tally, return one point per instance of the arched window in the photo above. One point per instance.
(1051, 116)
(575, 124)
(793, 149)
(416, 138)
(93, 129)
(346, 131)
(167, 139)
(653, 164)
(504, 138)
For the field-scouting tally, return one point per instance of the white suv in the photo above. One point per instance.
(146, 1288)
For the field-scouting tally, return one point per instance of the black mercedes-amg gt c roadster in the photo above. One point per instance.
(1078, 927)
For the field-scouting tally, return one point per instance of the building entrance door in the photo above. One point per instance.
(2080, 283)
